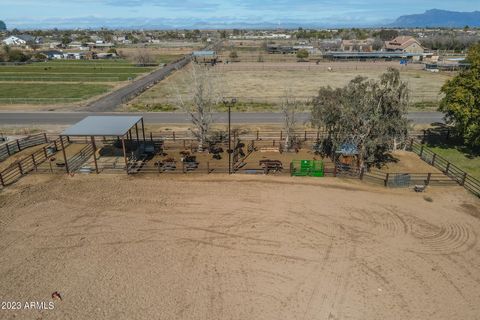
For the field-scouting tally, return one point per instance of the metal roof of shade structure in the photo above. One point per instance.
(347, 149)
(103, 126)
(374, 54)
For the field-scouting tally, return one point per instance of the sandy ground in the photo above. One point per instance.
(408, 161)
(217, 247)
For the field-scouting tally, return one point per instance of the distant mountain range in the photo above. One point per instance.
(431, 18)
(439, 18)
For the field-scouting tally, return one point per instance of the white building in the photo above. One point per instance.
(20, 40)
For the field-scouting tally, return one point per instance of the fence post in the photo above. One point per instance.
(183, 167)
(433, 159)
(334, 170)
(411, 144)
(55, 143)
(447, 168)
(257, 134)
(281, 135)
(386, 179)
(151, 137)
(429, 175)
(45, 152)
(362, 171)
(305, 136)
(18, 146)
(273, 143)
(45, 136)
(421, 151)
(20, 168)
(173, 133)
(463, 179)
(1, 180)
(8, 149)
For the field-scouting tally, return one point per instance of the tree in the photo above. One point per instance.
(66, 40)
(366, 113)
(203, 97)
(377, 44)
(386, 34)
(3, 26)
(289, 108)
(143, 57)
(15, 55)
(461, 102)
(302, 54)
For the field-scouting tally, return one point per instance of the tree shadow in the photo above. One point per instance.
(384, 160)
(445, 137)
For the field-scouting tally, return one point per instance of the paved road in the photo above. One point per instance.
(65, 118)
(112, 100)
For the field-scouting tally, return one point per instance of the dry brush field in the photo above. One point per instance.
(267, 82)
(217, 247)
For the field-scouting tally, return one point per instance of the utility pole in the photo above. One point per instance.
(229, 105)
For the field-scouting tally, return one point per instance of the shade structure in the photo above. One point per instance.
(103, 126)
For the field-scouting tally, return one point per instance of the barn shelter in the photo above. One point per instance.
(120, 127)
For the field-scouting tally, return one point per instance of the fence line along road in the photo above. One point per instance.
(66, 118)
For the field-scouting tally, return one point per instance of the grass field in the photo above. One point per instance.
(46, 93)
(468, 162)
(62, 81)
(262, 86)
(63, 71)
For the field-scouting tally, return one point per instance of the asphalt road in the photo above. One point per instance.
(112, 100)
(66, 118)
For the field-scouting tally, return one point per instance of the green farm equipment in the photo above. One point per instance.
(306, 168)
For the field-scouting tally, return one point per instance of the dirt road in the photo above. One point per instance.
(213, 247)
(112, 100)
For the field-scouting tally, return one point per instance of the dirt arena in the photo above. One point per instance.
(243, 247)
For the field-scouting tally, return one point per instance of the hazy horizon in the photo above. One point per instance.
(25, 14)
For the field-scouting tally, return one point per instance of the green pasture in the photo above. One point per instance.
(12, 93)
(71, 71)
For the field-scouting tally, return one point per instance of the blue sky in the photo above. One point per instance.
(26, 13)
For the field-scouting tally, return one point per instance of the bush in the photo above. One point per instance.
(16, 55)
(302, 54)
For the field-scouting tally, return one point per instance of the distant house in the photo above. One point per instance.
(75, 55)
(404, 44)
(52, 54)
(357, 45)
(21, 40)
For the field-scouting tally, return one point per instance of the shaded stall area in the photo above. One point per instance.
(107, 142)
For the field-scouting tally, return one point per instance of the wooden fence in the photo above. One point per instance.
(449, 169)
(29, 163)
(15, 146)
(398, 180)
